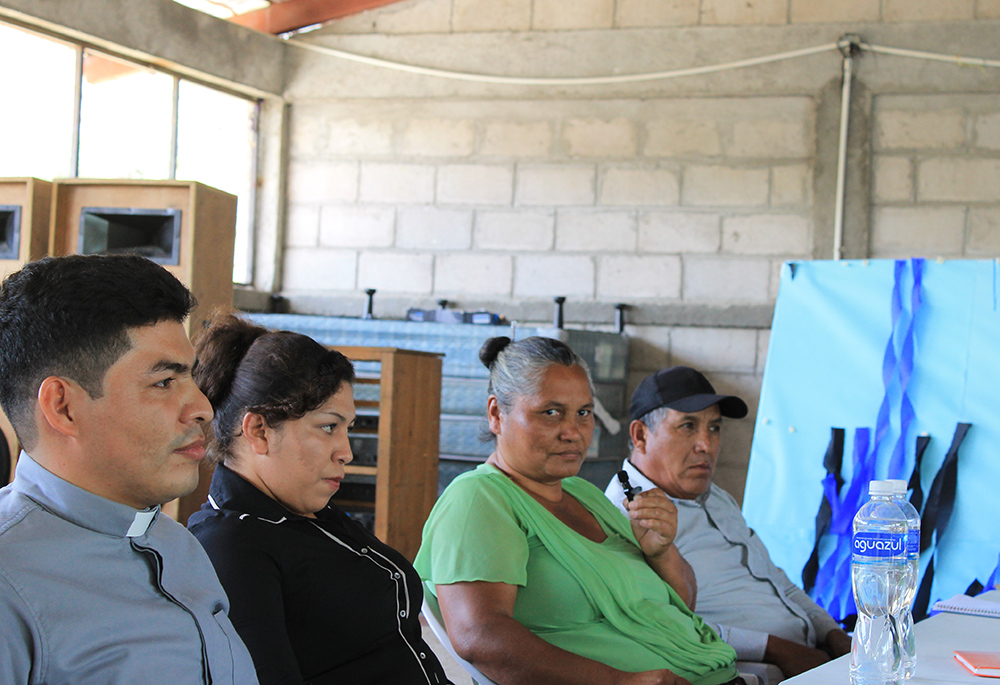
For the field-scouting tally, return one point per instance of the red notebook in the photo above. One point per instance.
(980, 663)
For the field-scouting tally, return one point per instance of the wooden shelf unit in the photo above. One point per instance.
(406, 471)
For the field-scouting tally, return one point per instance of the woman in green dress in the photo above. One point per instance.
(540, 579)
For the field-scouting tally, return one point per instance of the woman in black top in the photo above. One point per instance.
(315, 597)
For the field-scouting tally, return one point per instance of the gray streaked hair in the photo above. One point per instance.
(517, 368)
(651, 420)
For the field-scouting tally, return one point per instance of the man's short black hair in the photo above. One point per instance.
(69, 317)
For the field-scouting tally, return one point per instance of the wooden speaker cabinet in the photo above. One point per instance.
(186, 226)
(24, 222)
(24, 236)
(8, 451)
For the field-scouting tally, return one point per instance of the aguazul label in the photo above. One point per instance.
(872, 544)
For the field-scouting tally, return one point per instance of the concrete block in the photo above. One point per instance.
(597, 138)
(746, 386)
(532, 231)
(777, 267)
(438, 138)
(742, 12)
(919, 130)
(491, 15)
(958, 180)
(927, 10)
(626, 279)
(362, 22)
(573, 14)
(397, 182)
(555, 184)
(475, 184)
(988, 131)
(400, 272)
(303, 226)
(426, 16)
(679, 232)
(988, 9)
(714, 350)
(725, 280)
(590, 231)
(767, 234)
(316, 181)
(473, 274)
(354, 137)
(649, 13)
(763, 340)
(918, 231)
(639, 186)
(893, 179)
(984, 232)
(306, 127)
(517, 139)
(680, 137)
(551, 275)
(706, 186)
(312, 269)
(433, 228)
(648, 347)
(770, 138)
(791, 185)
(824, 11)
(356, 226)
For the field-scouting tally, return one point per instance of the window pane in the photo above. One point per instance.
(36, 104)
(216, 144)
(125, 119)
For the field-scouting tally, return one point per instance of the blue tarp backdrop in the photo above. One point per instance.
(888, 351)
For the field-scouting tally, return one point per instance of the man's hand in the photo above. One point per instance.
(654, 524)
(654, 521)
(791, 657)
(837, 643)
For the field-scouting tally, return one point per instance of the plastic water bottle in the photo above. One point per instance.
(905, 618)
(880, 575)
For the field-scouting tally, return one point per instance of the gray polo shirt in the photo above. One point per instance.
(95, 592)
(740, 590)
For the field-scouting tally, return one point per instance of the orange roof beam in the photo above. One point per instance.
(291, 15)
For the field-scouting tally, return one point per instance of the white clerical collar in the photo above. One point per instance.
(140, 524)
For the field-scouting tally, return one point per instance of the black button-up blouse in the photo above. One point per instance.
(315, 600)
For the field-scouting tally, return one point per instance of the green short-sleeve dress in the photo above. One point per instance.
(599, 600)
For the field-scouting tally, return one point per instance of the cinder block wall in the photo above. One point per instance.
(680, 197)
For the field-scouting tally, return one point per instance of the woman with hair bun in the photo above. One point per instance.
(540, 579)
(315, 597)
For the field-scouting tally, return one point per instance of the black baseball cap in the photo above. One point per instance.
(683, 389)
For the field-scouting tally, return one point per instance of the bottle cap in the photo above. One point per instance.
(898, 486)
(880, 487)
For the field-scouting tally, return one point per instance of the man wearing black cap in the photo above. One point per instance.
(675, 431)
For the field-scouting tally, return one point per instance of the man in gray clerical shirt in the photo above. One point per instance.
(675, 431)
(96, 584)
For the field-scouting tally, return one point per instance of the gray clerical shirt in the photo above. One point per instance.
(740, 590)
(95, 592)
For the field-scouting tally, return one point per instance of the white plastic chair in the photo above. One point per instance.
(432, 613)
(759, 672)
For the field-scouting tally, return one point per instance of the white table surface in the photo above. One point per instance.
(937, 638)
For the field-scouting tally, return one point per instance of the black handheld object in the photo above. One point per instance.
(626, 485)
